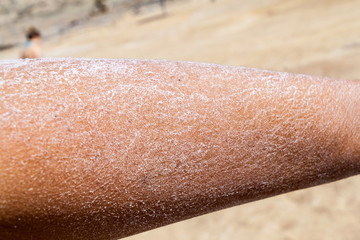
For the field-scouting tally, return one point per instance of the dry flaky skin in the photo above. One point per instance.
(102, 149)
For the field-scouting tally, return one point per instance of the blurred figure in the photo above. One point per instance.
(99, 7)
(163, 6)
(102, 6)
(32, 48)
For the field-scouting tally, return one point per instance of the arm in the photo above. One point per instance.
(102, 149)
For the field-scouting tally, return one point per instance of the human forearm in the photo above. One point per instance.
(99, 149)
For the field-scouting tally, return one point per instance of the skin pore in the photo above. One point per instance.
(103, 149)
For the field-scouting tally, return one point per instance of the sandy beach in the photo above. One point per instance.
(301, 36)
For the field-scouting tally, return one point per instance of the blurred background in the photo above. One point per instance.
(319, 37)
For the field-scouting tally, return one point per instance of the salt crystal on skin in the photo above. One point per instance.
(110, 137)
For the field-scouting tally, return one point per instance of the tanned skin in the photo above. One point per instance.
(103, 149)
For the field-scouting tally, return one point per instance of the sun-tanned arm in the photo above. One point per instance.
(103, 149)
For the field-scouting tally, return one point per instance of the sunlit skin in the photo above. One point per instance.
(34, 49)
(103, 149)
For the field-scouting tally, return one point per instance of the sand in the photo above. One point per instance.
(303, 36)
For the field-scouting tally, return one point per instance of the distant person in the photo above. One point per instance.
(163, 6)
(32, 47)
(102, 6)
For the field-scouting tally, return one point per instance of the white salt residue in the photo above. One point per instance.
(138, 135)
(14, 63)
